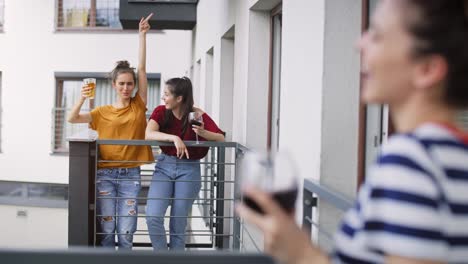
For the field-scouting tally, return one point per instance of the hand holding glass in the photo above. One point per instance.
(275, 174)
(91, 83)
(195, 121)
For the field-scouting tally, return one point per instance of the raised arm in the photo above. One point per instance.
(75, 116)
(142, 79)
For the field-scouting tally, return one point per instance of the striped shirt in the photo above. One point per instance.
(414, 202)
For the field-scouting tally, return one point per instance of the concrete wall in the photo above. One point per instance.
(244, 55)
(36, 227)
(31, 51)
(340, 102)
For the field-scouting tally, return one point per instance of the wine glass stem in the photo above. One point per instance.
(196, 135)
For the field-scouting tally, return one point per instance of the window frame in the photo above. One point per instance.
(278, 10)
(2, 16)
(60, 77)
(25, 199)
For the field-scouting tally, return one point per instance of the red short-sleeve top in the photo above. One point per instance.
(175, 126)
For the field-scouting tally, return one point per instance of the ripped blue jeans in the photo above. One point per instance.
(117, 205)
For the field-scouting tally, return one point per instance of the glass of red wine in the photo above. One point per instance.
(195, 120)
(274, 173)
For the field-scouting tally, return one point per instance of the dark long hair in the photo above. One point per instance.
(180, 87)
(441, 27)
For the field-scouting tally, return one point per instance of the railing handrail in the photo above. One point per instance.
(139, 142)
(96, 255)
(336, 199)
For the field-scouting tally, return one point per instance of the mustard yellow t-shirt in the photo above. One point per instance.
(125, 123)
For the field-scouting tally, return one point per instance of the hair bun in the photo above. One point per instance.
(123, 64)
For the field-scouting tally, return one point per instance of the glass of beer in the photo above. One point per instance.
(90, 82)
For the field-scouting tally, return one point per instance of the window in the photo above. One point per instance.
(374, 124)
(68, 91)
(88, 14)
(275, 79)
(34, 194)
(2, 9)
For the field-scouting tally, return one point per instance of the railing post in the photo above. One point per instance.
(221, 241)
(81, 206)
(236, 232)
(309, 202)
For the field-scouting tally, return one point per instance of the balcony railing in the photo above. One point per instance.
(314, 193)
(96, 256)
(214, 204)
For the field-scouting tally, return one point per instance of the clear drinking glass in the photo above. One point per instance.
(275, 174)
(196, 120)
(91, 83)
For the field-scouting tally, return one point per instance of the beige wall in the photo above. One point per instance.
(39, 228)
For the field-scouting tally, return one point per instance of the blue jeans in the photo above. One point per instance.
(117, 191)
(172, 178)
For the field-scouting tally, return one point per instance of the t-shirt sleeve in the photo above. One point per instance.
(158, 114)
(402, 211)
(210, 125)
(96, 117)
(139, 102)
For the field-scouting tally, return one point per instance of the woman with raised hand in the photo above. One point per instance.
(413, 207)
(118, 178)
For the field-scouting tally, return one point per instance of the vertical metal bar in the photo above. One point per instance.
(220, 240)
(237, 196)
(92, 14)
(212, 185)
(96, 241)
(81, 171)
(309, 202)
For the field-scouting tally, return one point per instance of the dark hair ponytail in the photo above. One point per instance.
(441, 27)
(122, 66)
(180, 87)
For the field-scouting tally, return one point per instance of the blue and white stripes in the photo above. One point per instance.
(414, 203)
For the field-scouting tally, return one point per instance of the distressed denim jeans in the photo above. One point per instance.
(117, 205)
(177, 179)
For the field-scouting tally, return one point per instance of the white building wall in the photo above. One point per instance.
(34, 227)
(302, 86)
(301, 76)
(340, 104)
(31, 51)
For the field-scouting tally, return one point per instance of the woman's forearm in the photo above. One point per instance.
(142, 78)
(211, 136)
(142, 52)
(159, 136)
(74, 115)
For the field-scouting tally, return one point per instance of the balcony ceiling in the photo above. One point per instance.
(169, 14)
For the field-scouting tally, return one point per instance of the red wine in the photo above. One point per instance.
(195, 122)
(286, 199)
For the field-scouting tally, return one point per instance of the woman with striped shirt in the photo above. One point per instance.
(413, 207)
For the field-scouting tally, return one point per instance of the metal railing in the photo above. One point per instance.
(214, 202)
(313, 194)
(98, 256)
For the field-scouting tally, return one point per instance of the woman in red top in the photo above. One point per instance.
(177, 174)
